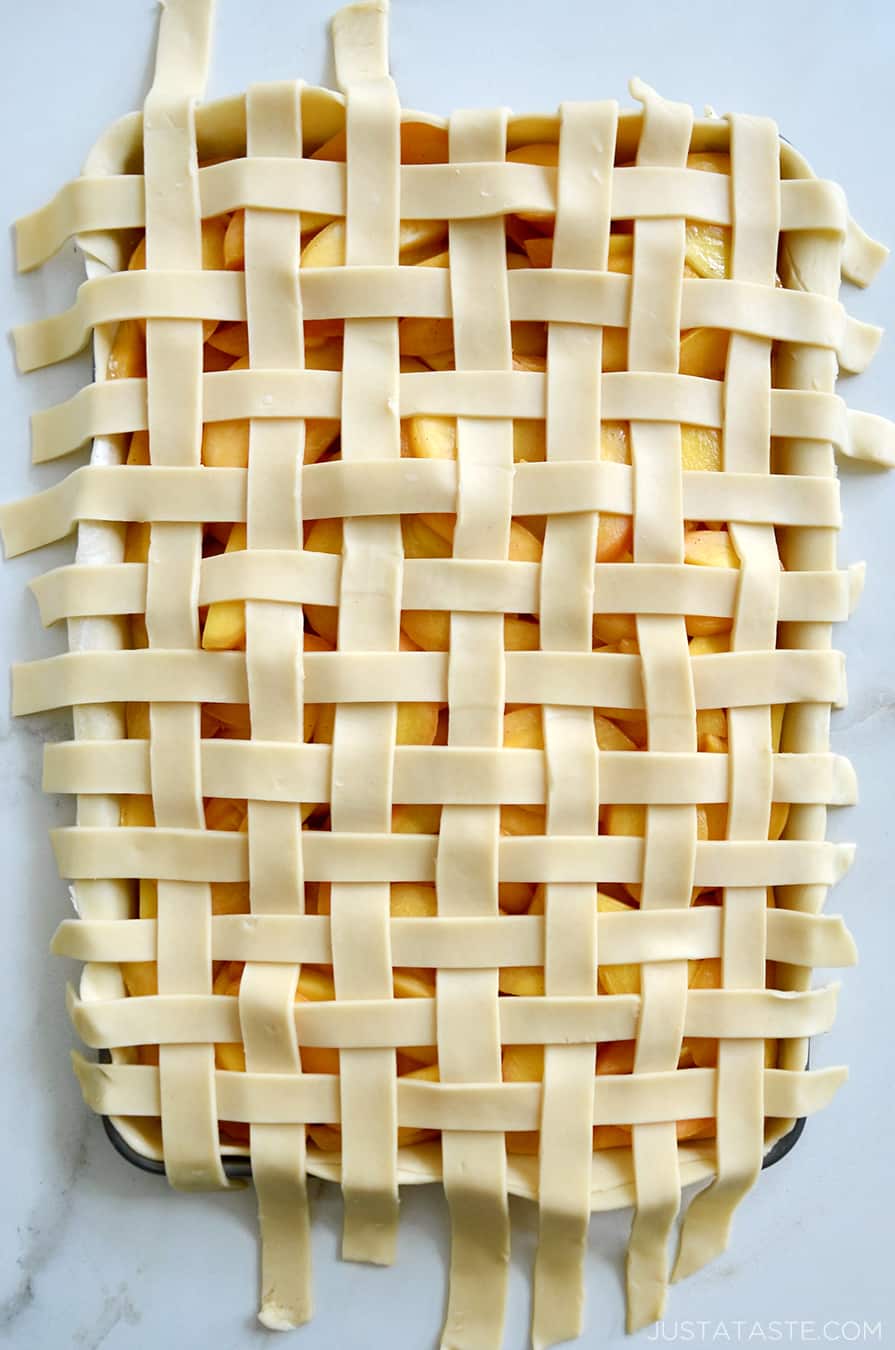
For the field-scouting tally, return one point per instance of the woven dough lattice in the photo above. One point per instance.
(485, 559)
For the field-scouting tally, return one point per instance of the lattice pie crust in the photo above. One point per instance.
(356, 742)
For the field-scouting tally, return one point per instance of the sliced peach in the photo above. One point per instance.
(327, 248)
(432, 437)
(615, 1056)
(417, 723)
(426, 337)
(224, 813)
(708, 246)
(610, 735)
(615, 532)
(225, 623)
(703, 352)
(700, 448)
(410, 819)
(231, 338)
(709, 644)
(613, 628)
(522, 1063)
(127, 356)
(421, 143)
(234, 717)
(709, 548)
(229, 897)
(617, 979)
(711, 722)
(708, 249)
(528, 337)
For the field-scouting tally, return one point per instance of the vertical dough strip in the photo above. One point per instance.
(274, 664)
(574, 386)
(174, 384)
(369, 620)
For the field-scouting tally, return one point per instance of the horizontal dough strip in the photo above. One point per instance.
(690, 1094)
(275, 771)
(395, 1023)
(338, 489)
(482, 586)
(370, 292)
(94, 852)
(574, 679)
(114, 406)
(428, 192)
(797, 938)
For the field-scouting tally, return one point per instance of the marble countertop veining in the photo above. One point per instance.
(94, 1253)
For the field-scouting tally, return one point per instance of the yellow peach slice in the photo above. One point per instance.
(709, 161)
(421, 143)
(709, 644)
(229, 897)
(614, 535)
(225, 623)
(224, 813)
(539, 251)
(700, 449)
(417, 723)
(615, 1056)
(710, 548)
(708, 246)
(703, 352)
(327, 249)
(140, 978)
(324, 536)
(711, 722)
(708, 249)
(616, 979)
(127, 356)
(234, 718)
(412, 819)
(425, 337)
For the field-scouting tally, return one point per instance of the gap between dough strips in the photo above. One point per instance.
(450, 656)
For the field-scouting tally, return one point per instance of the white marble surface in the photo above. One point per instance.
(95, 1253)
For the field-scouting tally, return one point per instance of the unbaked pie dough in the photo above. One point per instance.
(486, 558)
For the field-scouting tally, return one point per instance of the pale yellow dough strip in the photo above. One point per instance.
(507, 940)
(274, 635)
(571, 762)
(441, 584)
(369, 618)
(669, 831)
(454, 775)
(740, 1112)
(120, 405)
(123, 1089)
(377, 290)
(394, 1023)
(190, 855)
(189, 1121)
(468, 1032)
(721, 680)
(408, 486)
(429, 191)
